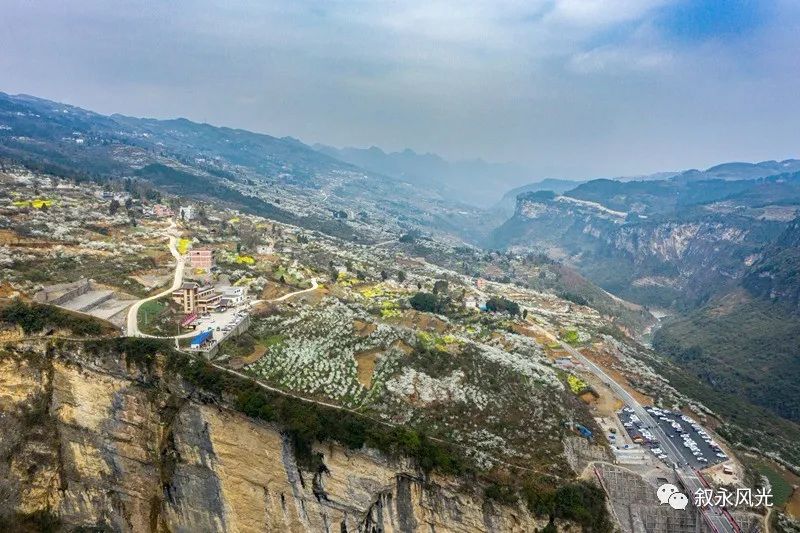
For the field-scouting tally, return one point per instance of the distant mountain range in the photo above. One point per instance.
(280, 178)
(740, 171)
(473, 181)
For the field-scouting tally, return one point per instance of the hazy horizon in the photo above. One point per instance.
(564, 88)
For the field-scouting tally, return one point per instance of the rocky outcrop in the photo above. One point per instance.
(102, 443)
(774, 273)
(657, 261)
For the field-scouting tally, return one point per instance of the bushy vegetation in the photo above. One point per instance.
(498, 304)
(580, 502)
(573, 297)
(410, 237)
(140, 352)
(428, 303)
(36, 318)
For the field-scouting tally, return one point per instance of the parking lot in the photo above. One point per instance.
(697, 448)
(221, 324)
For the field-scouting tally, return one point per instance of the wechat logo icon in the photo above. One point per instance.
(669, 494)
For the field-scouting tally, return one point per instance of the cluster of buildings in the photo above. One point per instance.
(199, 299)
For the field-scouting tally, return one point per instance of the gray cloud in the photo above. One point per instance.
(569, 87)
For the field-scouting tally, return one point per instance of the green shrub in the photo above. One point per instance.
(580, 502)
(35, 318)
(138, 351)
(502, 305)
(501, 494)
(426, 302)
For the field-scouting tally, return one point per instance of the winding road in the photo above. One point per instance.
(286, 296)
(132, 328)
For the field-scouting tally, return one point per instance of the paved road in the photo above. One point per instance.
(685, 473)
(286, 296)
(132, 329)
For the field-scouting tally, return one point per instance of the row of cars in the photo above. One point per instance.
(639, 433)
(691, 444)
(237, 319)
(691, 436)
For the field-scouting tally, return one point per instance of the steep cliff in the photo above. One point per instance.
(775, 275)
(91, 439)
(678, 259)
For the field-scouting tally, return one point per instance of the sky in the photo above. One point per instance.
(568, 88)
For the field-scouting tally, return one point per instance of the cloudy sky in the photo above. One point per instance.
(572, 88)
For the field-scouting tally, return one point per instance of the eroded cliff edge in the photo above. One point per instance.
(93, 439)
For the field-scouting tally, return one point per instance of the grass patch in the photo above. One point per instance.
(149, 311)
(570, 336)
(781, 489)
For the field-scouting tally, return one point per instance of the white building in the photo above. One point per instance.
(232, 296)
(186, 212)
(265, 249)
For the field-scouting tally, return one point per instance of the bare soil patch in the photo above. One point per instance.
(793, 505)
(605, 361)
(365, 363)
(258, 352)
(274, 290)
(423, 321)
(363, 329)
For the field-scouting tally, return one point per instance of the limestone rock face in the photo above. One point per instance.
(105, 445)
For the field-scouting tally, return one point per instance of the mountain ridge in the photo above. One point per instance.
(472, 181)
